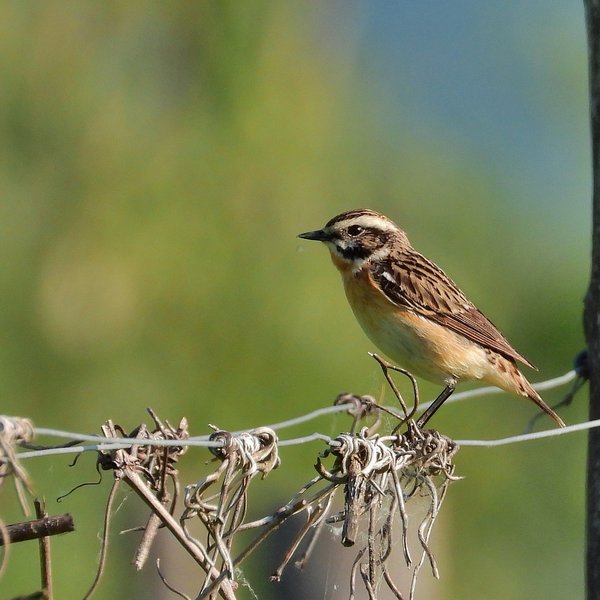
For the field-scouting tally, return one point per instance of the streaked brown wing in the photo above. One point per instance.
(410, 280)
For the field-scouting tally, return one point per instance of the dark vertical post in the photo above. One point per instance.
(592, 311)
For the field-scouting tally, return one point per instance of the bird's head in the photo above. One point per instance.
(357, 236)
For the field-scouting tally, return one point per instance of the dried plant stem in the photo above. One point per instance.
(107, 514)
(45, 560)
(141, 489)
(38, 528)
(168, 585)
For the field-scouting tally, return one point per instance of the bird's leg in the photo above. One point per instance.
(445, 394)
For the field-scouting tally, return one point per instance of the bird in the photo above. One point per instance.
(415, 314)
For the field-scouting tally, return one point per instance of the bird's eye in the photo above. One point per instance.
(354, 230)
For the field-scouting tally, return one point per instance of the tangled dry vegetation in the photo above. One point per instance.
(373, 474)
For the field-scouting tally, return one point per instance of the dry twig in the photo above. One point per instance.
(378, 474)
(222, 513)
(145, 468)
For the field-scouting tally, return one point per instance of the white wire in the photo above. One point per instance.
(484, 391)
(319, 412)
(456, 397)
(542, 385)
(104, 444)
(305, 439)
(107, 445)
(526, 437)
(127, 442)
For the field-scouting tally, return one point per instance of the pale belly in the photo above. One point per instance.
(415, 343)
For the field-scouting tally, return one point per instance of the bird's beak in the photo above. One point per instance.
(318, 236)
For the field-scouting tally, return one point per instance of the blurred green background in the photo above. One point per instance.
(157, 162)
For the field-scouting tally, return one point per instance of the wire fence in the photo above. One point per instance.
(376, 472)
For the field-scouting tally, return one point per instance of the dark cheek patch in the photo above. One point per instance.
(354, 252)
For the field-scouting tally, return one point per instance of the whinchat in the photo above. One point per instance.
(415, 313)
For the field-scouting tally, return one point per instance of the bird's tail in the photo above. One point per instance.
(526, 389)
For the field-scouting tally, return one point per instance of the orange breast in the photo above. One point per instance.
(412, 341)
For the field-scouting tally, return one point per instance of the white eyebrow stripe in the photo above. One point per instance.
(368, 221)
